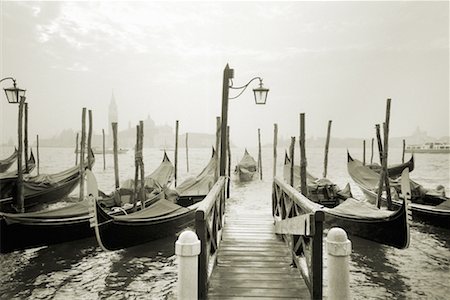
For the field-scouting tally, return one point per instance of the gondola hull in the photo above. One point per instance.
(35, 200)
(425, 213)
(15, 235)
(245, 175)
(436, 215)
(392, 231)
(117, 234)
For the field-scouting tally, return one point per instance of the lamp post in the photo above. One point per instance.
(260, 94)
(17, 95)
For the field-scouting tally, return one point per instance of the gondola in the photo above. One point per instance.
(162, 218)
(396, 170)
(321, 191)
(8, 179)
(62, 224)
(40, 190)
(194, 189)
(357, 217)
(430, 206)
(7, 162)
(246, 168)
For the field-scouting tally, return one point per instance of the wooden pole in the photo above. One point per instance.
(364, 152)
(82, 146)
(76, 150)
(291, 154)
(89, 142)
(386, 152)
(104, 158)
(25, 141)
(303, 163)
(327, 145)
(116, 156)
(37, 153)
(229, 161)
(227, 75)
(259, 155)
(371, 153)
(275, 142)
(20, 200)
(380, 144)
(218, 138)
(403, 152)
(380, 152)
(141, 163)
(176, 151)
(187, 152)
(136, 166)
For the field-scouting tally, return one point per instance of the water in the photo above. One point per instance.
(80, 270)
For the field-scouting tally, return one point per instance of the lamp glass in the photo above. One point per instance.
(14, 94)
(260, 95)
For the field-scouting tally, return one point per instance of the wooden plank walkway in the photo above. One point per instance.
(253, 262)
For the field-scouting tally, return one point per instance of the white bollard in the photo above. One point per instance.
(339, 249)
(187, 248)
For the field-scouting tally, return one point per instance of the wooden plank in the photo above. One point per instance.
(254, 262)
(254, 292)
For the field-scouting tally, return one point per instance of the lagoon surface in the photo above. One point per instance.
(81, 270)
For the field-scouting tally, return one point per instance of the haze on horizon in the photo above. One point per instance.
(331, 60)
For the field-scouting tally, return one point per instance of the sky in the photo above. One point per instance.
(335, 61)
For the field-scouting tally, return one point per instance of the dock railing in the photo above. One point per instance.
(209, 221)
(301, 225)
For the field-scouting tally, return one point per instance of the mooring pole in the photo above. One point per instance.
(403, 152)
(116, 156)
(37, 153)
(380, 151)
(136, 166)
(25, 140)
(176, 152)
(82, 146)
(187, 152)
(89, 143)
(104, 157)
(327, 145)
(76, 150)
(141, 163)
(303, 163)
(291, 153)
(259, 155)
(20, 200)
(371, 153)
(275, 142)
(364, 152)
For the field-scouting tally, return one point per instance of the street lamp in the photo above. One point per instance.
(260, 94)
(13, 94)
(17, 95)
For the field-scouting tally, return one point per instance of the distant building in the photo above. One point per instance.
(154, 136)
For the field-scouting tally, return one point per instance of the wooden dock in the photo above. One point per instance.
(253, 262)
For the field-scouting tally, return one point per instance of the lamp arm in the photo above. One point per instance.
(9, 78)
(246, 85)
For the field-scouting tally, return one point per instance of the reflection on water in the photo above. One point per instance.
(370, 264)
(80, 270)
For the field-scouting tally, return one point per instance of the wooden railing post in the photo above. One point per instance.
(200, 228)
(317, 256)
